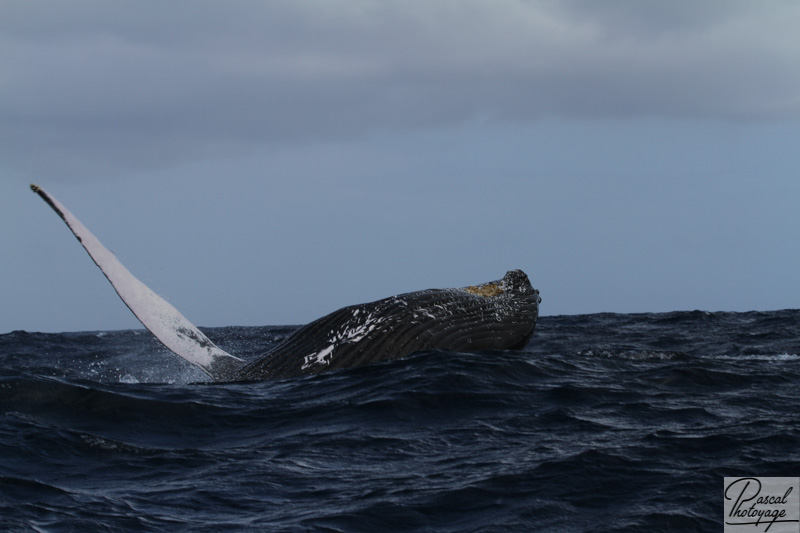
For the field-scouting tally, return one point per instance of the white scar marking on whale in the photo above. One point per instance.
(349, 334)
(424, 312)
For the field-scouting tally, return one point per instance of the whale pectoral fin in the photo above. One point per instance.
(156, 314)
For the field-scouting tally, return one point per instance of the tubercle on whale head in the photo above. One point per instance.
(517, 281)
(514, 283)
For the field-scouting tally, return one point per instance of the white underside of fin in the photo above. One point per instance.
(156, 314)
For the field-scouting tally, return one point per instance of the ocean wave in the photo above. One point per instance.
(602, 422)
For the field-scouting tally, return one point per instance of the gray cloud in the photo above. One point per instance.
(90, 87)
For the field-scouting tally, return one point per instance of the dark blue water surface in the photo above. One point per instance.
(603, 422)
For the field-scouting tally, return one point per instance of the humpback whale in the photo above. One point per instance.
(496, 315)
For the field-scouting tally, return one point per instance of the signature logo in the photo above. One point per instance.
(762, 504)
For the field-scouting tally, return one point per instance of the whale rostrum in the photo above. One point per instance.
(496, 315)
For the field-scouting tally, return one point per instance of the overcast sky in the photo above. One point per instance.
(269, 162)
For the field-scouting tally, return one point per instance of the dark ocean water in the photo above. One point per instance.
(603, 422)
